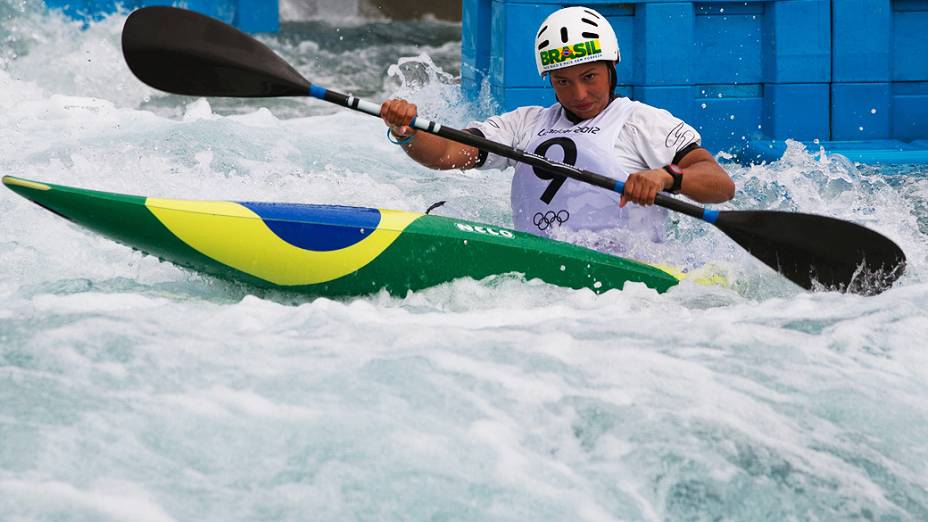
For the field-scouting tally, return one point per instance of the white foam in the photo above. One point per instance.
(115, 500)
(221, 400)
(90, 302)
(198, 110)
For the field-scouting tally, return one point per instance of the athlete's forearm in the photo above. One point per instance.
(707, 182)
(428, 149)
(704, 180)
(439, 153)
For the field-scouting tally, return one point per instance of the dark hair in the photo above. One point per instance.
(613, 77)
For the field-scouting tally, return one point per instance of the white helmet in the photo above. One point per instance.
(574, 35)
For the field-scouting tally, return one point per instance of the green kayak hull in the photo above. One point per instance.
(328, 250)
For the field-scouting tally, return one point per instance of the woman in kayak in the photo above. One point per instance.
(590, 127)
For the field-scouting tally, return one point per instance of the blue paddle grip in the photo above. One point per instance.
(317, 92)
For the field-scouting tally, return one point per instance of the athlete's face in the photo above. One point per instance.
(583, 89)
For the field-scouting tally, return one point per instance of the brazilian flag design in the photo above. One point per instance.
(331, 250)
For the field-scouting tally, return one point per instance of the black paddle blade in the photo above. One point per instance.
(809, 249)
(183, 52)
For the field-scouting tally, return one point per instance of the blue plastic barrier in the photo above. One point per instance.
(742, 72)
(254, 16)
(880, 70)
(880, 40)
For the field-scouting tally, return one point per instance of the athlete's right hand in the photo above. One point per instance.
(398, 114)
(642, 187)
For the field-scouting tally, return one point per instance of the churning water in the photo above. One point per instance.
(134, 390)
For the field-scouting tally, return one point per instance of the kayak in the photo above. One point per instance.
(331, 250)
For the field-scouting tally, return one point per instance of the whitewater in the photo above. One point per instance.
(131, 389)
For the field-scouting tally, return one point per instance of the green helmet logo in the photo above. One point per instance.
(578, 53)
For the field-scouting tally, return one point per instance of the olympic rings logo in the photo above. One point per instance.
(550, 218)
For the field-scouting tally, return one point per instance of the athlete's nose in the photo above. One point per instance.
(579, 93)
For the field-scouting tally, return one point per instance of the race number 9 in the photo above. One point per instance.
(570, 157)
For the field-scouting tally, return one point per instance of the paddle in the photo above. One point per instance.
(183, 52)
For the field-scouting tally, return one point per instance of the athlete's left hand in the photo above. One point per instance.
(642, 187)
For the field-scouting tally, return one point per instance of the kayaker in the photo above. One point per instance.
(590, 127)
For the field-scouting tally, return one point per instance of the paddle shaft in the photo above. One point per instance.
(535, 160)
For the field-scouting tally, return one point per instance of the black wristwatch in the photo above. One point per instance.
(677, 174)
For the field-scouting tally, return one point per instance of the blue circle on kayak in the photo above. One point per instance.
(321, 228)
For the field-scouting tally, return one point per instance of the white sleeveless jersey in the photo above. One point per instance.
(542, 203)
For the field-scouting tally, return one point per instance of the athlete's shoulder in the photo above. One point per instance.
(642, 112)
(526, 113)
(653, 136)
(658, 125)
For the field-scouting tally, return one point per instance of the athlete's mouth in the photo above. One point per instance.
(583, 107)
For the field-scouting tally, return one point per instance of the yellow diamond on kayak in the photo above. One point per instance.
(238, 237)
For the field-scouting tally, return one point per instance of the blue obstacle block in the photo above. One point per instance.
(889, 110)
(861, 111)
(799, 32)
(880, 40)
(862, 40)
(910, 111)
(880, 75)
(797, 110)
(659, 46)
(475, 48)
(910, 41)
(759, 42)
